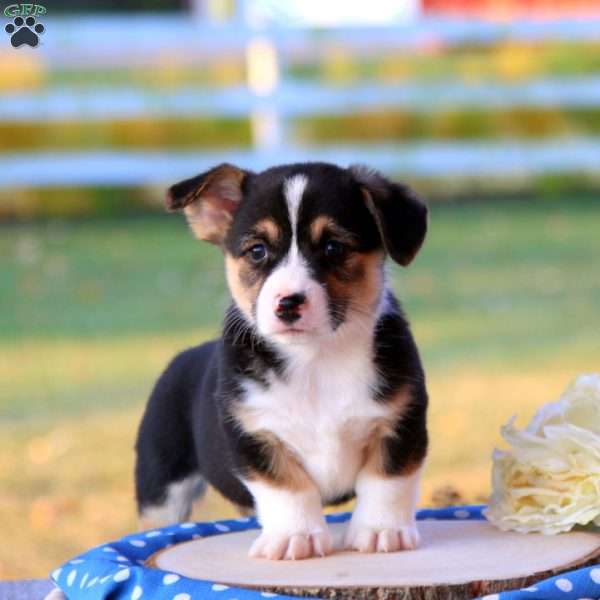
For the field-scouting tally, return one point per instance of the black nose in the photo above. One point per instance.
(287, 308)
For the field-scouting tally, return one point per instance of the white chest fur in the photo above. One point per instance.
(324, 411)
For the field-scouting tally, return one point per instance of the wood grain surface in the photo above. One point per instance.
(457, 559)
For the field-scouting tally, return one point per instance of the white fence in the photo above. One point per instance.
(140, 40)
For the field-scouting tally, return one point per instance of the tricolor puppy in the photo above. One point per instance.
(315, 391)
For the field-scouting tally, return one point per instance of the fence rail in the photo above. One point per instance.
(139, 38)
(292, 99)
(427, 160)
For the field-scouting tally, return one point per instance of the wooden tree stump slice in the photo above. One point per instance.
(457, 559)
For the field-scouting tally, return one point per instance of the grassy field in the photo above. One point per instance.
(503, 300)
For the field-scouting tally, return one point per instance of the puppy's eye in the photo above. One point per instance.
(257, 253)
(335, 250)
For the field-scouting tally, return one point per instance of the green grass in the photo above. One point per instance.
(502, 284)
(499, 282)
(503, 300)
(134, 276)
(83, 305)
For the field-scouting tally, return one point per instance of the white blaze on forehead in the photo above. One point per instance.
(293, 189)
(292, 275)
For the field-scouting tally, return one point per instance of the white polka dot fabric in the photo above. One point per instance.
(117, 570)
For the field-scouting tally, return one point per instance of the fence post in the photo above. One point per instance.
(262, 79)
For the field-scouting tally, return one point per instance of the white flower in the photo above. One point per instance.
(549, 479)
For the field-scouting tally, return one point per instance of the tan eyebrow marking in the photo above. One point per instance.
(266, 228)
(269, 228)
(323, 224)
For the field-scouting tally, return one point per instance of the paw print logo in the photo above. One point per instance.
(24, 31)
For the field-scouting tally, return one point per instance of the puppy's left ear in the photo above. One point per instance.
(209, 200)
(400, 215)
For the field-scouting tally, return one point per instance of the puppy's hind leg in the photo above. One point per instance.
(167, 477)
(174, 505)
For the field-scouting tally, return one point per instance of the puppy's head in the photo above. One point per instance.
(304, 244)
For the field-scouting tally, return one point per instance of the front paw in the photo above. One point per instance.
(295, 546)
(392, 539)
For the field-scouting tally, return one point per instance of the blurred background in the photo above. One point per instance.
(491, 109)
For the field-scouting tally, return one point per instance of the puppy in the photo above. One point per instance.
(315, 392)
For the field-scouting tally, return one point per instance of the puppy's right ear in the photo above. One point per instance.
(209, 201)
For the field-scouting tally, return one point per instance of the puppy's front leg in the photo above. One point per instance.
(387, 486)
(292, 521)
(384, 516)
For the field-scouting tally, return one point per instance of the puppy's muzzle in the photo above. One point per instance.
(288, 307)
